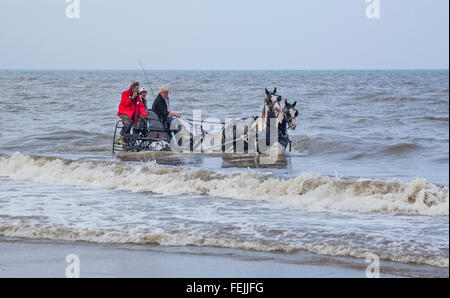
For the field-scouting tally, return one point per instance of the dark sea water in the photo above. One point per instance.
(368, 173)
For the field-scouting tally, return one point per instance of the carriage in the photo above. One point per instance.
(156, 136)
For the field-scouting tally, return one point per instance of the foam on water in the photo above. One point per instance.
(306, 191)
(148, 235)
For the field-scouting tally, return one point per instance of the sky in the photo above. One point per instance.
(224, 34)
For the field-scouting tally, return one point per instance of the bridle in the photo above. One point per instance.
(288, 116)
(271, 105)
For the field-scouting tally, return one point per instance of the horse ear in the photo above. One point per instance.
(285, 102)
(275, 90)
(294, 104)
(267, 92)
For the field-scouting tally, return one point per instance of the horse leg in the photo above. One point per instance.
(223, 141)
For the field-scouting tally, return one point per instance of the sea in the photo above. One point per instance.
(367, 175)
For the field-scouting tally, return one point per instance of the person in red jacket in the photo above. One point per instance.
(129, 109)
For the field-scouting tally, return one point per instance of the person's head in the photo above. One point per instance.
(143, 92)
(134, 87)
(164, 92)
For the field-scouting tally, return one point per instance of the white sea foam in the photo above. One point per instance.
(159, 237)
(305, 191)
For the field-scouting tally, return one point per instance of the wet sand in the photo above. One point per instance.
(28, 258)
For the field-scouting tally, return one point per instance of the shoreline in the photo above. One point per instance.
(29, 258)
(42, 259)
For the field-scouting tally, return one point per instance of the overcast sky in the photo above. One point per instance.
(224, 34)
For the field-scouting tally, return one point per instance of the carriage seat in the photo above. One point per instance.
(154, 123)
(156, 127)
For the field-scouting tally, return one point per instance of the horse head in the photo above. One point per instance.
(272, 101)
(290, 113)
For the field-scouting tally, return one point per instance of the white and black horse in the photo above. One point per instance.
(284, 117)
(271, 109)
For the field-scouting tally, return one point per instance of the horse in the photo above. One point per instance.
(284, 117)
(271, 110)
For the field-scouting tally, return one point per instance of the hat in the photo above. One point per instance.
(142, 90)
(163, 89)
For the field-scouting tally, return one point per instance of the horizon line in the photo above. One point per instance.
(222, 69)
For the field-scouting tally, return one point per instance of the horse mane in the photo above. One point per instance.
(265, 111)
(281, 121)
(280, 117)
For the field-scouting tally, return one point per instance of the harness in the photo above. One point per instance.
(284, 138)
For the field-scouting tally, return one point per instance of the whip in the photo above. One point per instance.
(146, 77)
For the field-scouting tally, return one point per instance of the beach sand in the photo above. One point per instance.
(42, 259)
(30, 258)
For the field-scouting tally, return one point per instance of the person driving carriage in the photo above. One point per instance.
(131, 108)
(161, 106)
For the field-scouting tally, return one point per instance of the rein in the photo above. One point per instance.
(288, 118)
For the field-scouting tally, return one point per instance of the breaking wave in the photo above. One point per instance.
(306, 191)
(182, 238)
